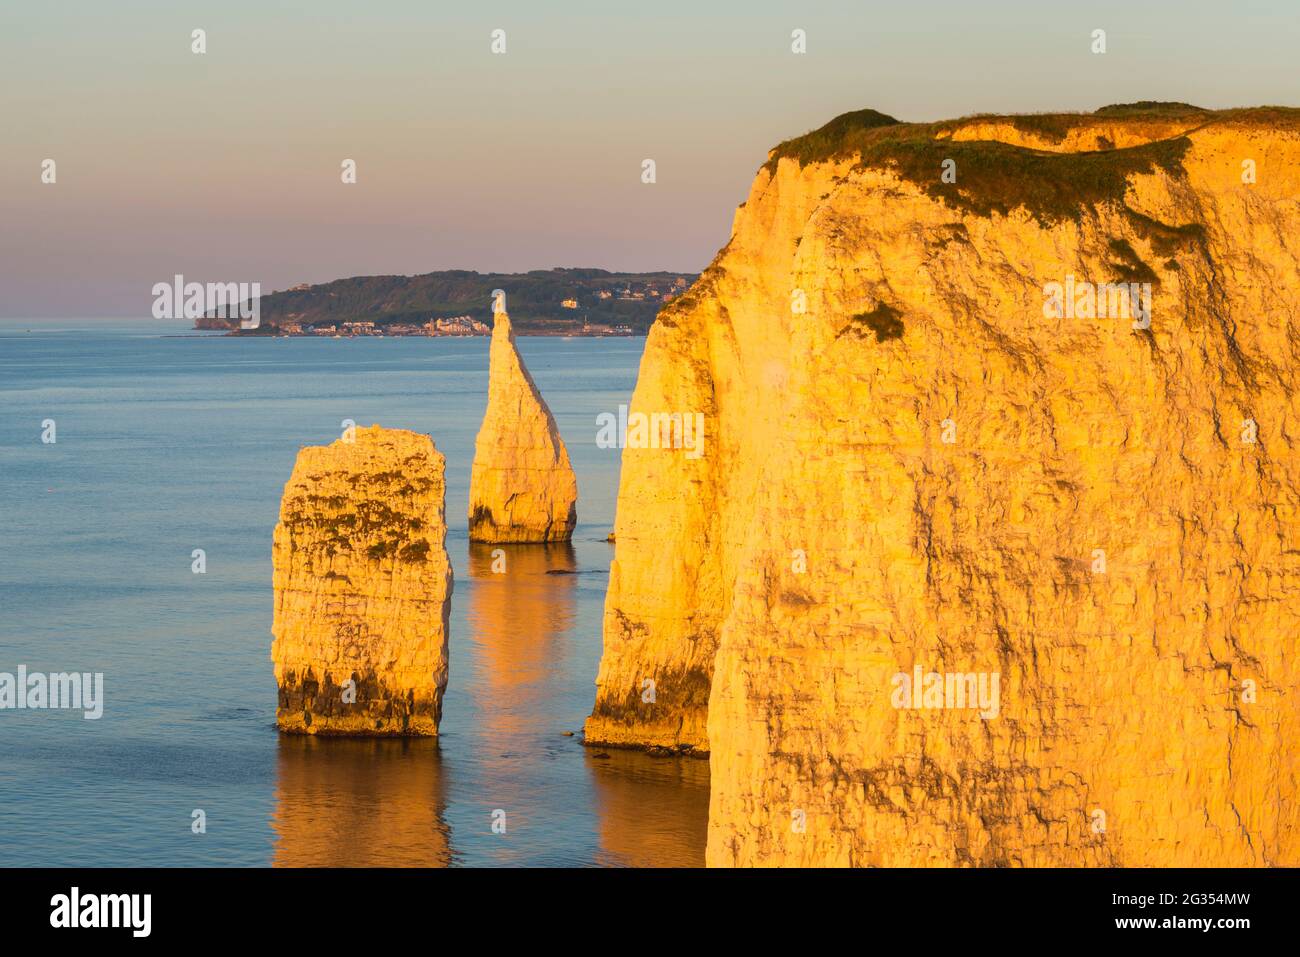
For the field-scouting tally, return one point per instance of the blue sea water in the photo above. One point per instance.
(169, 441)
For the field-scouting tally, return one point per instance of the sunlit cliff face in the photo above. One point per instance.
(915, 462)
(362, 587)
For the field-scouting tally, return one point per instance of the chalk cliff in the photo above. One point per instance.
(362, 587)
(522, 488)
(914, 457)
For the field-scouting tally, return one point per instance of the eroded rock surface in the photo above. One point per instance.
(522, 487)
(362, 588)
(910, 463)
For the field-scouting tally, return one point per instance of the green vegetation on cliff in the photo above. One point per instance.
(998, 177)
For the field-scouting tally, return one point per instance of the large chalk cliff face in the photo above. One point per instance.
(907, 464)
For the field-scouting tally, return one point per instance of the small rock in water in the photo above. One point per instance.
(567, 734)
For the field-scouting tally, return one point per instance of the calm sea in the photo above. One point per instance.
(168, 442)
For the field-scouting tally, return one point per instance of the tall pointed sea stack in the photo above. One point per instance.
(522, 488)
(362, 587)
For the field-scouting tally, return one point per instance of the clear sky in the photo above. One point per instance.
(226, 166)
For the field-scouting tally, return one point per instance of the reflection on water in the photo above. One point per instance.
(520, 619)
(343, 802)
(653, 812)
(518, 681)
(521, 610)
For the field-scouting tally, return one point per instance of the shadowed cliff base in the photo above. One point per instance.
(370, 708)
(655, 713)
(916, 461)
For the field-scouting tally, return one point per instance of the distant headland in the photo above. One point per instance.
(559, 302)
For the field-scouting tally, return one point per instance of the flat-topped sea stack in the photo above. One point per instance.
(1009, 405)
(522, 487)
(362, 587)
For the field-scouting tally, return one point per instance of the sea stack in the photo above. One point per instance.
(991, 557)
(521, 488)
(362, 587)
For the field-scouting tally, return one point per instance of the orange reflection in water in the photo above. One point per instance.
(517, 670)
(521, 609)
(351, 802)
(653, 811)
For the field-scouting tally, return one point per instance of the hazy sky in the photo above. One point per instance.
(226, 166)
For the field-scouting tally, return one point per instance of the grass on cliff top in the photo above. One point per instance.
(999, 177)
(835, 138)
(1150, 109)
(1055, 127)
